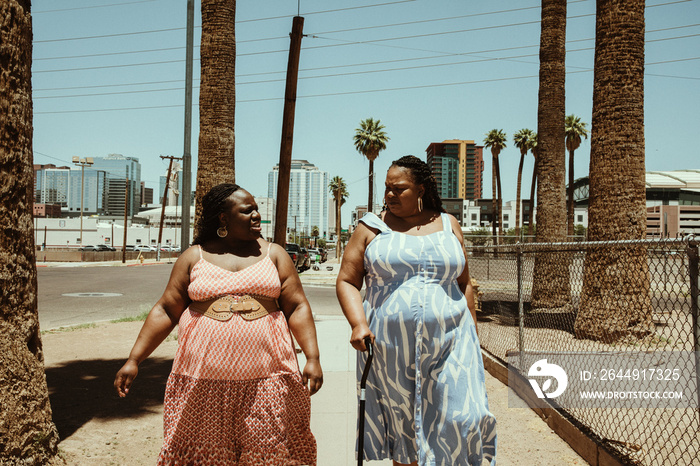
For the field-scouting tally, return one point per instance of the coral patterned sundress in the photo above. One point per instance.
(235, 395)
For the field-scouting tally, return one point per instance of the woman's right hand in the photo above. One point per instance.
(125, 376)
(357, 338)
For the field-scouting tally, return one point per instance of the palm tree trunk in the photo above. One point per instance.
(500, 200)
(517, 196)
(337, 226)
(217, 97)
(27, 434)
(550, 288)
(371, 186)
(494, 198)
(615, 299)
(530, 230)
(570, 198)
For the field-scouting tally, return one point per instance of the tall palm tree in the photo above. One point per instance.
(27, 434)
(521, 139)
(613, 307)
(550, 288)
(496, 140)
(370, 139)
(339, 190)
(532, 143)
(314, 234)
(574, 128)
(217, 97)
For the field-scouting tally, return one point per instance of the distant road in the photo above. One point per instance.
(99, 293)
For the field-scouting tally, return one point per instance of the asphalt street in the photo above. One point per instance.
(95, 293)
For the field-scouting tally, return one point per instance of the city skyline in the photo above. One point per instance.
(110, 78)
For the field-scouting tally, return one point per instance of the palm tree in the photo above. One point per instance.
(613, 307)
(27, 434)
(574, 128)
(217, 97)
(521, 139)
(315, 234)
(550, 289)
(370, 139)
(339, 190)
(496, 140)
(532, 143)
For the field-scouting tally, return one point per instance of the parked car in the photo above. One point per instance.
(144, 248)
(306, 264)
(130, 247)
(104, 247)
(89, 247)
(294, 251)
(324, 254)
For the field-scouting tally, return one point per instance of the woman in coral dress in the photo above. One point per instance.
(235, 395)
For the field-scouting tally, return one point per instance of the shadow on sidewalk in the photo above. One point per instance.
(83, 390)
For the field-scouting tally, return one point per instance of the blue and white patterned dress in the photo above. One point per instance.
(426, 395)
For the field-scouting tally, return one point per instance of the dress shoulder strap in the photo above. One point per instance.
(269, 246)
(200, 251)
(446, 225)
(371, 220)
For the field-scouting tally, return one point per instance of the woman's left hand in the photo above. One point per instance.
(312, 377)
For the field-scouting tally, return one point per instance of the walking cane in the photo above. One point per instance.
(363, 384)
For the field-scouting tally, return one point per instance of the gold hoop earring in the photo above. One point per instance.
(222, 232)
(420, 204)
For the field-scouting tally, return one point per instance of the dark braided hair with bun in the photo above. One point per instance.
(213, 203)
(420, 171)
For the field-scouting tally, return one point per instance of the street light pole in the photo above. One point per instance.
(82, 163)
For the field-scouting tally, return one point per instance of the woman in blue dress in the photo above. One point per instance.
(426, 398)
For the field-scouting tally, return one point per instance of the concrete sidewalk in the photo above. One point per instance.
(523, 438)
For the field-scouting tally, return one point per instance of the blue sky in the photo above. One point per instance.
(108, 77)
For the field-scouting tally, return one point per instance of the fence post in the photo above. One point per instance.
(521, 313)
(695, 308)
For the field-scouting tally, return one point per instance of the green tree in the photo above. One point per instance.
(27, 434)
(370, 139)
(521, 139)
(339, 190)
(217, 98)
(496, 140)
(574, 128)
(615, 299)
(550, 288)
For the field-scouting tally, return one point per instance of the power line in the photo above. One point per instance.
(90, 6)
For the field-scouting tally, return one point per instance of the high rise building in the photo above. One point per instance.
(61, 186)
(308, 197)
(118, 168)
(458, 167)
(103, 191)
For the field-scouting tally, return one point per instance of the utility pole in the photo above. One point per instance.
(290, 98)
(126, 210)
(165, 196)
(86, 162)
(186, 154)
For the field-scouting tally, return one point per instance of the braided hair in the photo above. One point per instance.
(420, 171)
(213, 203)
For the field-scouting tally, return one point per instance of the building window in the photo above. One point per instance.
(579, 218)
(473, 217)
(505, 217)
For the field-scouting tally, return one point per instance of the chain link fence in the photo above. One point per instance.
(598, 297)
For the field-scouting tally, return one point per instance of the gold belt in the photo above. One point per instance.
(222, 308)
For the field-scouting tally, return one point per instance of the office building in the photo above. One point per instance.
(118, 169)
(458, 167)
(308, 197)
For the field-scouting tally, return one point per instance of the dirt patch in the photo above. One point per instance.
(95, 426)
